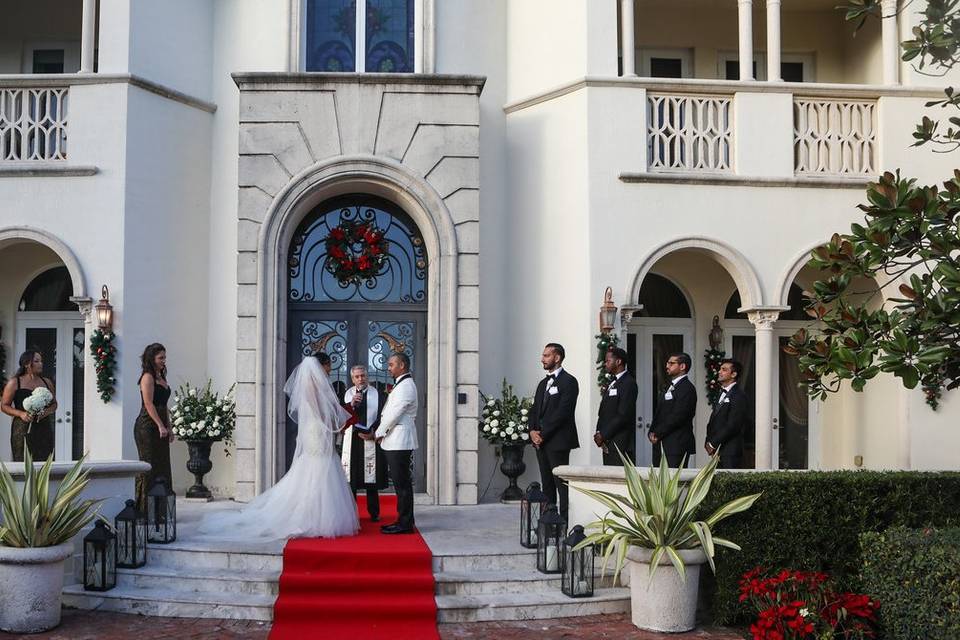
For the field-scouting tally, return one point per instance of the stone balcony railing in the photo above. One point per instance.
(33, 123)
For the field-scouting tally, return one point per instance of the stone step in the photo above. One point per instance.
(465, 563)
(172, 603)
(490, 582)
(199, 580)
(530, 606)
(195, 556)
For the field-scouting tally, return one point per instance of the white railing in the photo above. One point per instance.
(834, 137)
(689, 133)
(33, 124)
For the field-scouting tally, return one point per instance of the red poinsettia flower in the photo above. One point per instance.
(375, 250)
(337, 234)
(371, 237)
(359, 232)
(363, 263)
(347, 265)
(338, 253)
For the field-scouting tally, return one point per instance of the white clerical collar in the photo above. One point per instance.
(678, 379)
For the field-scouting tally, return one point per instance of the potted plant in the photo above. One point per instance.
(504, 422)
(35, 538)
(656, 524)
(201, 417)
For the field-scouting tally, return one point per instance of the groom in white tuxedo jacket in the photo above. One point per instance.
(397, 435)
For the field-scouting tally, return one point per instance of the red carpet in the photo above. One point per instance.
(363, 587)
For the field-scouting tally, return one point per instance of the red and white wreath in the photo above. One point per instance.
(356, 251)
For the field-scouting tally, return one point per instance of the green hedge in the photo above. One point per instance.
(915, 574)
(812, 521)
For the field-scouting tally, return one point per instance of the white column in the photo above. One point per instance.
(762, 322)
(88, 36)
(627, 41)
(773, 41)
(890, 42)
(746, 39)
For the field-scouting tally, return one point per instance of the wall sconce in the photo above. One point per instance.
(608, 312)
(104, 311)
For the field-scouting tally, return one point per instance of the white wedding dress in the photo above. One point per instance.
(313, 499)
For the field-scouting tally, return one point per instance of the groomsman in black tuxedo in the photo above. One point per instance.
(553, 429)
(672, 426)
(617, 418)
(729, 417)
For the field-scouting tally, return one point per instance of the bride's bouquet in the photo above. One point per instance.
(201, 414)
(36, 402)
(505, 419)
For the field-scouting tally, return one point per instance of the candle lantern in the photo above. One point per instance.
(161, 513)
(531, 508)
(577, 581)
(550, 542)
(131, 527)
(100, 558)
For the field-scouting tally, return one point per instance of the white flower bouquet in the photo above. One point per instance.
(36, 402)
(201, 414)
(504, 420)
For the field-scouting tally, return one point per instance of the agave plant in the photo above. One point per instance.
(660, 513)
(31, 518)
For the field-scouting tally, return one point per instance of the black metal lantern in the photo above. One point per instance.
(100, 558)
(131, 528)
(577, 581)
(550, 542)
(161, 513)
(531, 508)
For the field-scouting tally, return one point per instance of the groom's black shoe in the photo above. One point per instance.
(395, 528)
(392, 525)
(374, 518)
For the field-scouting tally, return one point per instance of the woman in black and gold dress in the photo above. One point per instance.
(152, 429)
(38, 437)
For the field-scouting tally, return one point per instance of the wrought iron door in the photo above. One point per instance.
(351, 336)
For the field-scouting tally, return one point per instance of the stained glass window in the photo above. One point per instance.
(332, 30)
(316, 274)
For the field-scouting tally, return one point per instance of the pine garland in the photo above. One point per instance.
(605, 342)
(711, 361)
(105, 361)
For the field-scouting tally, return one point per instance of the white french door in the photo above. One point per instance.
(650, 341)
(796, 418)
(59, 337)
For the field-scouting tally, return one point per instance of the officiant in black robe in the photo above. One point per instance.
(364, 460)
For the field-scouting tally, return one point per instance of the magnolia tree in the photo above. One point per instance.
(908, 247)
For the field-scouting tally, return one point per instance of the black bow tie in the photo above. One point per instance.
(551, 376)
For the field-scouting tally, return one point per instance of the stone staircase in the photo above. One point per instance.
(480, 573)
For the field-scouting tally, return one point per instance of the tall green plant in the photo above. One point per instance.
(31, 518)
(660, 514)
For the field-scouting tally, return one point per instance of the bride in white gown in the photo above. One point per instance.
(313, 498)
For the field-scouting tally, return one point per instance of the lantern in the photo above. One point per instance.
(608, 312)
(550, 542)
(161, 513)
(100, 558)
(104, 311)
(577, 581)
(531, 508)
(131, 528)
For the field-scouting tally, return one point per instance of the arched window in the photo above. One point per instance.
(49, 291)
(333, 240)
(795, 300)
(332, 29)
(662, 299)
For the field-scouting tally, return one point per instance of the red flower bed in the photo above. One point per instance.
(795, 605)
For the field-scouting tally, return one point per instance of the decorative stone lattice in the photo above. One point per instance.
(689, 133)
(834, 137)
(33, 124)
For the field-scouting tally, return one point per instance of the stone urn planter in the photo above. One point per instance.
(513, 467)
(199, 465)
(665, 603)
(31, 580)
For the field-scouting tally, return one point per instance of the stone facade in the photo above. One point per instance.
(412, 139)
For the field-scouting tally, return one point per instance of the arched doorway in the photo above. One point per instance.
(48, 321)
(357, 302)
(663, 325)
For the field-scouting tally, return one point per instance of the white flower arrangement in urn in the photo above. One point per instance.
(505, 420)
(201, 414)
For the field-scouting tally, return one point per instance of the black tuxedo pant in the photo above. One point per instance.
(552, 487)
(674, 460)
(612, 458)
(401, 474)
(373, 499)
(732, 461)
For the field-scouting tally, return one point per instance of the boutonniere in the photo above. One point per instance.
(388, 388)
